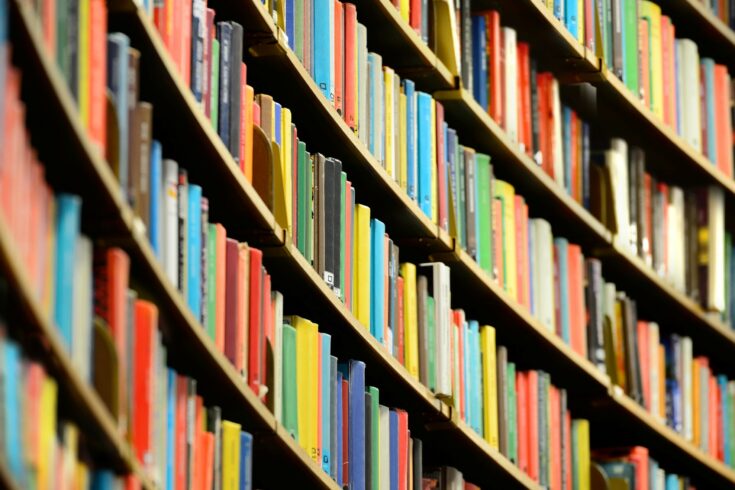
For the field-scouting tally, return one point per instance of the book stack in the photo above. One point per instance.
(40, 449)
(635, 468)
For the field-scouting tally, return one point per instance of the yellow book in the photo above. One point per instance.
(446, 42)
(652, 12)
(695, 403)
(83, 60)
(286, 163)
(230, 455)
(307, 371)
(70, 442)
(581, 430)
(410, 309)
(580, 22)
(361, 286)
(81, 476)
(47, 434)
(489, 385)
(434, 201)
(390, 116)
(402, 143)
(405, 10)
(506, 193)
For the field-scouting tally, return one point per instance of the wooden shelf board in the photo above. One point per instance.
(401, 47)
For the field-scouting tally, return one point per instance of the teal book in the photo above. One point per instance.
(483, 212)
(672, 482)
(13, 412)
(710, 145)
(325, 371)
(290, 397)
(194, 251)
(322, 56)
(476, 377)
(68, 223)
(424, 164)
(377, 278)
(561, 247)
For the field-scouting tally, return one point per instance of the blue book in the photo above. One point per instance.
(571, 16)
(322, 51)
(336, 435)
(170, 429)
(14, 448)
(709, 93)
(117, 81)
(424, 152)
(291, 24)
(722, 381)
(409, 89)
(393, 450)
(198, 22)
(559, 9)
(155, 211)
(566, 138)
(340, 428)
(277, 112)
(479, 60)
(103, 480)
(561, 247)
(377, 284)
(672, 482)
(68, 218)
(476, 377)
(326, 372)
(246, 461)
(356, 451)
(224, 36)
(194, 251)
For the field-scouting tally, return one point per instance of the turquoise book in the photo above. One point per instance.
(377, 278)
(424, 152)
(68, 223)
(322, 52)
(194, 250)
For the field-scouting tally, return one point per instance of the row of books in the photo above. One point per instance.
(691, 95)
(679, 232)
(525, 102)
(633, 468)
(40, 449)
(723, 10)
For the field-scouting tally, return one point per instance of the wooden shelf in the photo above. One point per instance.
(401, 47)
(695, 21)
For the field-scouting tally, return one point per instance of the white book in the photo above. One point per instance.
(378, 92)
(82, 312)
(170, 221)
(654, 403)
(616, 160)
(676, 257)
(363, 126)
(686, 377)
(384, 447)
(544, 257)
(511, 83)
(690, 117)
(557, 138)
(716, 253)
(159, 411)
(455, 480)
(277, 300)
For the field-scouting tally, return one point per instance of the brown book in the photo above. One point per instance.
(266, 115)
(105, 367)
(133, 96)
(263, 166)
(140, 158)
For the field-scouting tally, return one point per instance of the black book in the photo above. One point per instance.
(331, 220)
(593, 300)
(418, 464)
(235, 89)
(214, 425)
(535, 123)
(224, 36)
(466, 33)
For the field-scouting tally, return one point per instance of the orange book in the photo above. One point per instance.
(256, 333)
(208, 450)
(498, 242)
(97, 74)
(339, 55)
(723, 121)
(577, 320)
(532, 424)
(642, 331)
(696, 411)
(522, 417)
(146, 324)
(555, 440)
(48, 21)
(349, 90)
(249, 96)
(220, 275)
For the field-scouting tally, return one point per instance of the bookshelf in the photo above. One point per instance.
(247, 217)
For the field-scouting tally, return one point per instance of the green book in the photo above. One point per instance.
(290, 394)
(510, 384)
(431, 340)
(211, 280)
(484, 212)
(375, 442)
(62, 37)
(302, 198)
(630, 50)
(298, 19)
(214, 90)
(342, 235)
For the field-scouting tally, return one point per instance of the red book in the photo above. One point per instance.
(568, 448)
(48, 25)
(243, 314)
(415, 15)
(348, 244)
(458, 324)
(232, 303)
(495, 69)
(97, 74)
(131, 482)
(255, 323)
(185, 39)
(34, 381)
(198, 454)
(723, 120)
(256, 113)
(589, 29)
(668, 60)
(524, 97)
(161, 16)
(175, 31)
(521, 251)
(339, 55)
(400, 330)
(498, 243)
(350, 66)
(111, 275)
(182, 394)
(345, 430)
(533, 428)
(545, 109)
(220, 283)
(639, 457)
(269, 337)
(441, 170)
(575, 278)
(719, 430)
(522, 416)
(644, 362)
(555, 440)
(146, 324)
(402, 449)
(208, 41)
